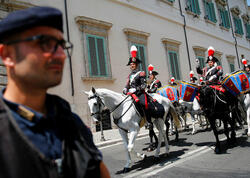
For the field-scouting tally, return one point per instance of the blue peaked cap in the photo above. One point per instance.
(21, 20)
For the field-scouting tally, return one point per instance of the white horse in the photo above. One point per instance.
(247, 105)
(128, 119)
(193, 108)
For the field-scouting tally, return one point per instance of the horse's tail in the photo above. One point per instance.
(174, 115)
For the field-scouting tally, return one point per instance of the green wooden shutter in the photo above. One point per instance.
(227, 21)
(232, 69)
(92, 56)
(101, 57)
(174, 65)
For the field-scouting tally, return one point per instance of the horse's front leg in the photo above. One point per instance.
(193, 123)
(124, 136)
(248, 121)
(132, 137)
(217, 145)
(159, 123)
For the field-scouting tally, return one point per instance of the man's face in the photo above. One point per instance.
(151, 77)
(247, 69)
(210, 63)
(133, 66)
(35, 67)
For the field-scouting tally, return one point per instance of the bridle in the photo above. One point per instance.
(100, 103)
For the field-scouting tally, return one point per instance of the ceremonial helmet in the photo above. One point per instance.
(133, 58)
(244, 62)
(150, 69)
(210, 56)
(191, 75)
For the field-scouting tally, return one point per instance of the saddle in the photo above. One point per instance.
(151, 106)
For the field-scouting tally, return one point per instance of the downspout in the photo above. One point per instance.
(69, 56)
(185, 34)
(236, 49)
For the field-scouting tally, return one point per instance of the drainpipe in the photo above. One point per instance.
(185, 34)
(68, 38)
(236, 44)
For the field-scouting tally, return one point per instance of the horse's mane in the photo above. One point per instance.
(105, 92)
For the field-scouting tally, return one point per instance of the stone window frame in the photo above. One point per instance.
(138, 37)
(218, 55)
(90, 26)
(169, 2)
(173, 46)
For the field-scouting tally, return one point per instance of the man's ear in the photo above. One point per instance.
(5, 56)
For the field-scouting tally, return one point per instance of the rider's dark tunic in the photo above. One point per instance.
(154, 85)
(207, 72)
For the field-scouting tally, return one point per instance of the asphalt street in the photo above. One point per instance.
(192, 156)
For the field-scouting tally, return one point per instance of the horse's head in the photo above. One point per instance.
(95, 104)
(206, 96)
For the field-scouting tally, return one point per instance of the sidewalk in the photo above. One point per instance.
(113, 136)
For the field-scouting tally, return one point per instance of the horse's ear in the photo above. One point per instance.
(93, 90)
(87, 93)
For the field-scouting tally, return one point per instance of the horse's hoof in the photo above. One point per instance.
(217, 151)
(125, 170)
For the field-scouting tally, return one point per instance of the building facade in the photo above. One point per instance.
(170, 34)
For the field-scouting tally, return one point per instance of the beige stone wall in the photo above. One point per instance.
(157, 18)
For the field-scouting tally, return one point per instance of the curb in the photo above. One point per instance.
(111, 142)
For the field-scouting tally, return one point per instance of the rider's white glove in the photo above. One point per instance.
(131, 90)
(197, 61)
(212, 78)
(125, 91)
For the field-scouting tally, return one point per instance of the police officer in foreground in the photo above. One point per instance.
(212, 73)
(40, 136)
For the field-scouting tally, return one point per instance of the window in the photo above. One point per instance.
(224, 17)
(238, 25)
(202, 61)
(238, 30)
(209, 11)
(141, 55)
(200, 54)
(231, 62)
(95, 44)
(193, 6)
(139, 39)
(173, 63)
(247, 26)
(97, 56)
(232, 68)
(174, 66)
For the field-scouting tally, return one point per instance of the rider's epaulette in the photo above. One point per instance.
(142, 74)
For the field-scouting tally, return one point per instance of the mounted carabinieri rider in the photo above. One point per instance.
(136, 85)
(154, 82)
(213, 72)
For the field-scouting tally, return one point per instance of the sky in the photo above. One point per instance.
(248, 2)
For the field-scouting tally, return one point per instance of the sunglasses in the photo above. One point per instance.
(47, 43)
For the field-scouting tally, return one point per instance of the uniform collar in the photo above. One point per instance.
(31, 116)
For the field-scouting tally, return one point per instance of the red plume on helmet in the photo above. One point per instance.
(191, 74)
(133, 51)
(210, 51)
(244, 61)
(201, 79)
(133, 58)
(150, 67)
(172, 79)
